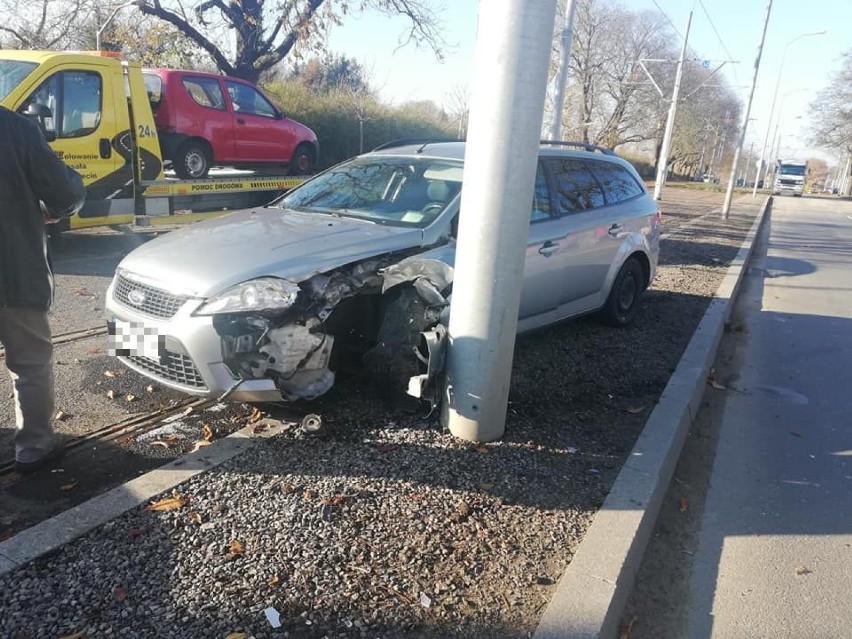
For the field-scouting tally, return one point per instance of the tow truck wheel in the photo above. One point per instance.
(192, 160)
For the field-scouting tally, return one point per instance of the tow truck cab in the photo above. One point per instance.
(95, 114)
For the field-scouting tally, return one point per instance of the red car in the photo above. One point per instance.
(205, 120)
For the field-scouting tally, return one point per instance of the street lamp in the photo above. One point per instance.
(132, 3)
(775, 95)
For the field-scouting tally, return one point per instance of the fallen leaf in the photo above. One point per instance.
(135, 532)
(6, 536)
(626, 629)
(76, 635)
(801, 570)
(111, 394)
(635, 410)
(69, 485)
(207, 433)
(287, 489)
(61, 415)
(717, 385)
(236, 547)
(237, 635)
(130, 397)
(120, 593)
(481, 449)
(256, 415)
(169, 503)
(149, 388)
(273, 581)
(109, 374)
(259, 428)
(159, 442)
(188, 410)
(94, 351)
(684, 504)
(199, 445)
(309, 494)
(196, 517)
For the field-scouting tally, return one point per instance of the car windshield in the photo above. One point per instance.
(12, 72)
(792, 169)
(385, 190)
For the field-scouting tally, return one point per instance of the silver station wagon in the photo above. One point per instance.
(354, 269)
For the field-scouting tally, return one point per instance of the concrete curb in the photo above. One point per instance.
(57, 531)
(591, 595)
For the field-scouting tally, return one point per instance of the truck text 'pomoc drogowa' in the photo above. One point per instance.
(93, 108)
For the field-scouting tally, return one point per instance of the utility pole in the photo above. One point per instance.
(729, 194)
(562, 76)
(513, 46)
(663, 161)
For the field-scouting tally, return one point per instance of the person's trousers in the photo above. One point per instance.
(25, 334)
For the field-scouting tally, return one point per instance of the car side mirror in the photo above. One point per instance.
(43, 117)
(279, 115)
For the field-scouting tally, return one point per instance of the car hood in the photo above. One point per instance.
(208, 257)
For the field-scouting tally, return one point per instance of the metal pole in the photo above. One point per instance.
(562, 77)
(729, 194)
(513, 48)
(667, 136)
(845, 184)
(775, 96)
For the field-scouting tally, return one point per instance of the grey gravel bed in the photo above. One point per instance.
(382, 525)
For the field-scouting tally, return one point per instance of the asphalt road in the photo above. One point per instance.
(757, 541)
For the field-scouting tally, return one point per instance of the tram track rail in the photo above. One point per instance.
(71, 336)
(131, 426)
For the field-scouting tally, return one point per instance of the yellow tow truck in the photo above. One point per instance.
(94, 111)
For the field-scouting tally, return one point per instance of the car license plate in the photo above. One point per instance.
(134, 339)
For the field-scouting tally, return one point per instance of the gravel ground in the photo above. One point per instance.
(382, 525)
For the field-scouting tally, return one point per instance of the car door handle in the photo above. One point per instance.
(104, 148)
(240, 121)
(615, 229)
(548, 248)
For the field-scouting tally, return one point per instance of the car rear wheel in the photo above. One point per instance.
(192, 160)
(623, 297)
(303, 161)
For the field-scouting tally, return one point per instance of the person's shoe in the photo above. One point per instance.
(50, 457)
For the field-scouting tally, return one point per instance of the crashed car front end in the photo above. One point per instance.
(383, 314)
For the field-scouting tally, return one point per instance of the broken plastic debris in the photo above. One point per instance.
(311, 423)
(273, 617)
(425, 600)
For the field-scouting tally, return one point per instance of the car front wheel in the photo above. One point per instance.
(303, 161)
(192, 161)
(623, 297)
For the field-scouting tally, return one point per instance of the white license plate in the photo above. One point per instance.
(135, 339)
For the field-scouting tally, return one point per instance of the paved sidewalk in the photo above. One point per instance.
(775, 551)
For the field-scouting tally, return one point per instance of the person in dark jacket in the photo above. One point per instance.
(36, 188)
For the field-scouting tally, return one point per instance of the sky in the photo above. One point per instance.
(720, 30)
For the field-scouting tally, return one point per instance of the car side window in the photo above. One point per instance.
(205, 92)
(74, 100)
(576, 189)
(247, 99)
(541, 209)
(619, 185)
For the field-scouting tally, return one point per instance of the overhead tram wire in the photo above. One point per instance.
(672, 24)
(719, 37)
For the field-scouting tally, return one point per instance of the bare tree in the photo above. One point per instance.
(831, 111)
(46, 24)
(458, 106)
(267, 31)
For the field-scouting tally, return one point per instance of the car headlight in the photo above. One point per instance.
(262, 294)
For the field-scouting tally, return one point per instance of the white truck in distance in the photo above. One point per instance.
(790, 177)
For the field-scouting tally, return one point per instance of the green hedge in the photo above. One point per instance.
(334, 117)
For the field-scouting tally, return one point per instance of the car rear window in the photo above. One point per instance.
(576, 188)
(618, 184)
(205, 91)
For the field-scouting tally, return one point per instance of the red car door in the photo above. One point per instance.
(261, 134)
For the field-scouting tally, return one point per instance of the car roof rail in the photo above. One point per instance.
(410, 141)
(586, 146)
